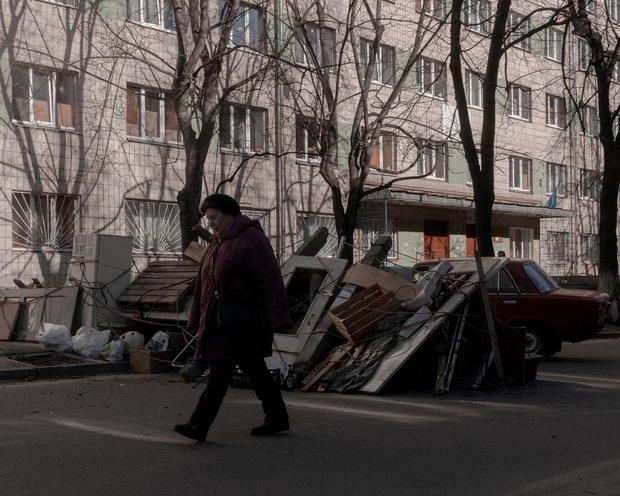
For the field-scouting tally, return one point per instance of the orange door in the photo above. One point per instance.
(436, 239)
(471, 243)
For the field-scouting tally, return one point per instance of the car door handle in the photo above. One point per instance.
(509, 302)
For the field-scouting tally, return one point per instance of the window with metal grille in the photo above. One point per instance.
(369, 229)
(43, 221)
(43, 96)
(307, 224)
(154, 226)
(154, 12)
(558, 246)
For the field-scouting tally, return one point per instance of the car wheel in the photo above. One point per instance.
(534, 343)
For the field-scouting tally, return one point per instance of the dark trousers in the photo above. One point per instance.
(219, 379)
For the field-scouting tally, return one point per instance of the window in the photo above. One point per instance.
(43, 221)
(307, 224)
(154, 12)
(431, 77)
(369, 229)
(556, 111)
(615, 72)
(520, 173)
(384, 67)
(553, 44)
(384, 152)
(432, 161)
(556, 179)
(558, 246)
(519, 102)
(249, 27)
(502, 283)
(313, 41)
(588, 248)
(614, 10)
(473, 89)
(543, 282)
(242, 129)
(307, 139)
(590, 120)
(435, 8)
(518, 26)
(477, 13)
(583, 55)
(151, 114)
(590, 185)
(71, 3)
(521, 242)
(153, 225)
(43, 96)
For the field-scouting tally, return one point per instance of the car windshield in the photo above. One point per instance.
(543, 282)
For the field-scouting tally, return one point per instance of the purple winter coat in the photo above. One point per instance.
(245, 267)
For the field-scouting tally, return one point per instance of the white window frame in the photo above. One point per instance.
(436, 9)
(584, 55)
(556, 175)
(473, 89)
(152, 222)
(379, 74)
(555, 111)
(142, 15)
(477, 13)
(553, 44)
(517, 166)
(43, 233)
(521, 242)
(161, 96)
(301, 47)
(76, 4)
(516, 106)
(51, 89)
(248, 126)
(590, 185)
(589, 248)
(305, 155)
(244, 17)
(514, 19)
(382, 151)
(590, 120)
(614, 10)
(428, 158)
(436, 78)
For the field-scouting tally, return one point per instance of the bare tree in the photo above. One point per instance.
(603, 42)
(501, 37)
(344, 74)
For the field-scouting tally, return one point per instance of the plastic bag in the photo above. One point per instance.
(159, 342)
(88, 341)
(54, 336)
(114, 351)
(134, 340)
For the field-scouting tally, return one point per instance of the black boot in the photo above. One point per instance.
(271, 427)
(193, 431)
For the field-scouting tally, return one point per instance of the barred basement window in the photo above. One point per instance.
(154, 226)
(558, 246)
(43, 221)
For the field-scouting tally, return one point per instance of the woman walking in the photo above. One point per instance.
(239, 301)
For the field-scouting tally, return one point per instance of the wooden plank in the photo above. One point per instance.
(159, 292)
(171, 268)
(164, 300)
(180, 275)
(158, 283)
(372, 319)
(366, 276)
(332, 360)
(176, 263)
(195, 251)
(9, 314)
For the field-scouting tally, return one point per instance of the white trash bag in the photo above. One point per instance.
(134, 340)
(159, 342)
(88, 341)
(54, 336)
(114, 351)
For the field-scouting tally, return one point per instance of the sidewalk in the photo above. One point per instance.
(26, 361)
(608, 331)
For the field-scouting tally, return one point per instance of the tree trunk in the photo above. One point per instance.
(190, 196)
(608, 221)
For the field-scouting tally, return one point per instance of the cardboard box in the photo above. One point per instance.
(150, 362)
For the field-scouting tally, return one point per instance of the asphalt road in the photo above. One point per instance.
(112, 436)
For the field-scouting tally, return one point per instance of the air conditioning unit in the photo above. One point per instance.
(101, 266)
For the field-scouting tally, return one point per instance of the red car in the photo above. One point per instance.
(522, 294)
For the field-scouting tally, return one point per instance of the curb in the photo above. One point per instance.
(91, 367)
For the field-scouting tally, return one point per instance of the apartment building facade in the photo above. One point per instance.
(90, 140)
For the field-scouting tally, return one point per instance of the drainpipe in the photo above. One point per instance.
(279, 138)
